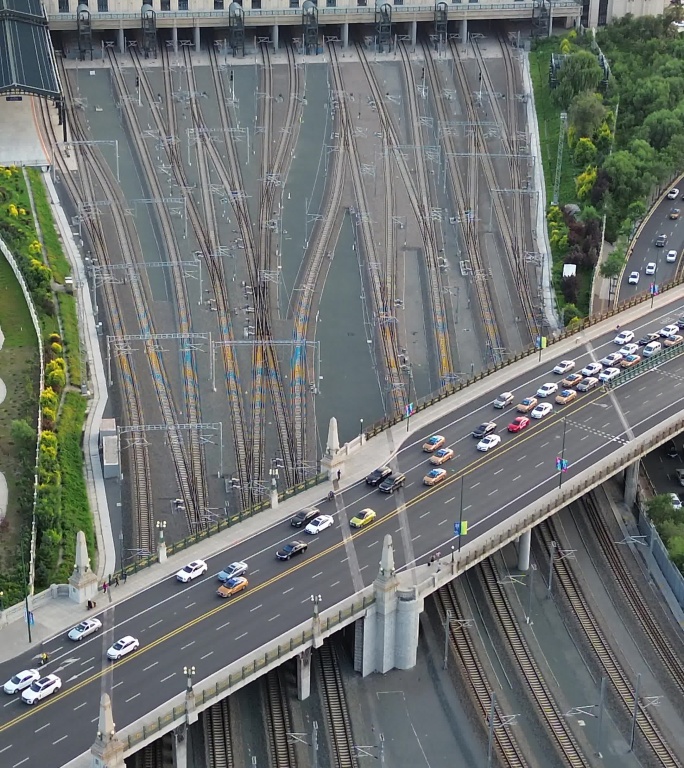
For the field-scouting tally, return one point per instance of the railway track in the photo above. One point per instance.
(279, 725)
(646, 726)
(218, 735)
(141, 487)
(461, 642)
(544, 700)
(336, 710)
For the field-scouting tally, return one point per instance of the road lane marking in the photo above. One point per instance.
(154, 664)
(168, 677)
(190, 605)
(335, 584)
(415, 538)
(155, 623)
(192, 642)
(545, 444)
(12, 701)
(118, 684)
(58, 740)
(496, 490)
(83, 663)
(239, 637)
(273, 618)
(291, 588)
(256, 608)
(135, 696)
(316, 575)
(42, 727)
(425, 514)
(80, 705)
(364, 568)
(448, 501)
(474, 485)
(21, 762)
(541, 464)
(499, 471)
(222, 626)
(206, 656)
(442, 523)
(372, 544)
(517, 478)
(4, 749)
(522, 458)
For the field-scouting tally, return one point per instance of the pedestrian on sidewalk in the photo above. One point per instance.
(124, 576)
(339, 475)
(116, 581)
(104, 587)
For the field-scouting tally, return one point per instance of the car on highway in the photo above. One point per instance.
(629, 349)
(629, 360)
(572, 380)
(291, 549)
(680, 323)
(85, 628)
(654, 348)
(504, 399)
(41, 689)
(673, 194)
(489, 442)
(651, 268)
(192, 571)
(612, 359)
(587, 384)
(393, 483)
(547, 389)
(319, 524)
(661, 241)
(543, 409)
(21, 680)
(671, 450)
(518, 424)
(232, 586)
(673, 341)
(624, 337)
(435, 477)
(593, 369)
(674, 213)
(668, 330)
(671, 256)
(566, 396)
(232, 571)
(565, 366)
(649, 337)
(378, 475)
(442, 455)
(306, 515)
(676, 501)
(123, 647)
(633, 278)
(609, 374)
(363, 518)
(526, 405)
(484, 429)
(433, 443)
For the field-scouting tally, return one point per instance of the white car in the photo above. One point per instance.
(609, 374)
(629, 349)
(21, 680)
(612, 359)
(624, 337)
(123, 647)
(319, 524)
(673, 194)
(491, 441)
(650, 268)
(85, 628)
(547, 389)
(192, 571)
(565, 366)
(671, 256)
(676, 501)
(233, 571)
(41, 689)
(592, 369)
(543, 409)
(669, 330)
(633, 278)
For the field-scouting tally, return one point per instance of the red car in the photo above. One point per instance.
(519, 423)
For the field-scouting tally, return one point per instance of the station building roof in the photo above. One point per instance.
(27, 64)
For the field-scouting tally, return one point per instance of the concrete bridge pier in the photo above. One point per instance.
(345, 35)
(180, 747)
(197, 39)
(524, 551)
(121, 41)
(174, 38)
(464, 31)
(631, 483)
(108, 749)
(304, 675)
(414, 33)
(274, 37)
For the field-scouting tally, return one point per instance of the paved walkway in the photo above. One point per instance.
(3, 481)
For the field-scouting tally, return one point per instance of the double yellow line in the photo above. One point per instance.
(477, 464)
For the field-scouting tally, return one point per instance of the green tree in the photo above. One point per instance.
(570, 313)
(613, 264)
(586, 114)
(585, 153)
(24, 435)
(659, 128)
(660, 509)
(580, 72)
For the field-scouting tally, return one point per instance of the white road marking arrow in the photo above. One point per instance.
(82, 672)
(66, 663)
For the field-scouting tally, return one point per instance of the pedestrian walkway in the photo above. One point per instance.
(3, 480)
(20, 139)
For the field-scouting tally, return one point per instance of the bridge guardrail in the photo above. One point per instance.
(646, 364)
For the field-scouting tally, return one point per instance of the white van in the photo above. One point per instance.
(652, 348)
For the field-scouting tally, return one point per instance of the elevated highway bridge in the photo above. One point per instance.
(501, 494)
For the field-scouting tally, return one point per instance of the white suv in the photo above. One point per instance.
(671, 256)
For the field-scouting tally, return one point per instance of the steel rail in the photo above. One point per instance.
(218, 735)
(336, 709)
(279, 722)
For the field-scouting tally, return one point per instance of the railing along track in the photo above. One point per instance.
(336, 709)
(617, 676)
(279, 724)
(218, 735)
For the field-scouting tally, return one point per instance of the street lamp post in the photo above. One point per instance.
(361, 430)
(315, 599)
(121, 550)
(161, 525)
(2, 605)
(189, 673)
(561, 468)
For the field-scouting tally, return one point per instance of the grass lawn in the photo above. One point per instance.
(19, 368)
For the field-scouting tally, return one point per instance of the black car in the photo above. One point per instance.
(671, 450)
(484, 429)
(648, 338)
(661, 241)
(391, 483)
(378, 475)
(293, 548)
(304, 516)
(680, 323)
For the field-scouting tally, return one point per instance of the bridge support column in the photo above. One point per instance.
(304, 675)
(274, 498)
(414, 33)
(82, 582)
(274, 37)
(161, 552)
(345, 35)
(108, 749)
(631, 484)
(180, 747)
(121, 41)
(198, 39)
(464, 31)
(524, 551)
(174, 38)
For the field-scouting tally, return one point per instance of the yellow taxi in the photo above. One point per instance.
(365, 517)
(442, 455)
(527, 405)
(566, 396)
(434, 443)
(629, 360)
(673, 341)
(232, 586)
(435, 476)
(572, 380)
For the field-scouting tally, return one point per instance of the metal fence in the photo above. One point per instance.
(672, 574)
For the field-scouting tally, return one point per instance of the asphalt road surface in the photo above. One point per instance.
(188, 624)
